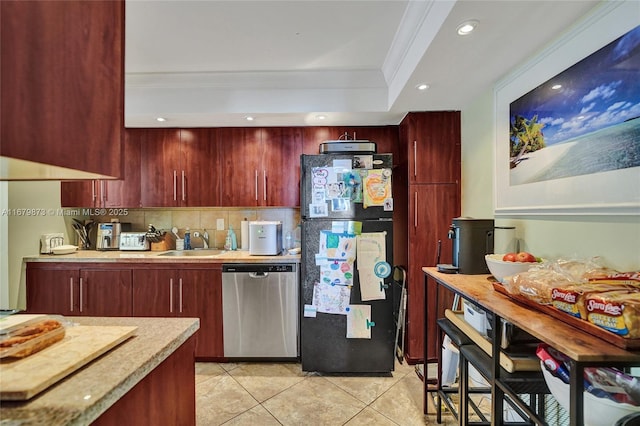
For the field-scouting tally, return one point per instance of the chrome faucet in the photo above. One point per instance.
(205, 239)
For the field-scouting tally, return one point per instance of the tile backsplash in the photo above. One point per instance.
(198, 219)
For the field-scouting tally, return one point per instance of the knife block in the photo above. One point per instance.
(168, 243)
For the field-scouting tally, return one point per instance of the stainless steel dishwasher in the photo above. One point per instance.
(260, 310)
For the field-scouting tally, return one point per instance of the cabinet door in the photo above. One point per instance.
(105, 292)
(313, 136)
(431, 208)
(79, 193)
(52, 291)
(241, 160)
(434, 151)
(280, 175)
(160, 165)
(62, 68)
(200, 174)
(125, 192)
(200, 296)
(154, 293)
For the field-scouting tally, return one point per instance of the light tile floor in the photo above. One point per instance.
(282, 394)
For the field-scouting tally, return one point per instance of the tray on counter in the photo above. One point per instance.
(582, 325)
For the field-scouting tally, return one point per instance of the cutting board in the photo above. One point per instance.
(21, 379)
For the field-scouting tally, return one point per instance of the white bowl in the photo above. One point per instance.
(501, 269)
(597, 411)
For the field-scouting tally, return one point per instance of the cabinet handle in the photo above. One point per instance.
(80, 294)
(93, 190)
(415, 158)
(171, 295)
(175, 185)
(184, 188)
(264, 185)
(180, 294)
(256, 185)
(71, 293)
(415, 209)
(103, 190)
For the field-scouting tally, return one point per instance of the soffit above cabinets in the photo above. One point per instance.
(211, 63)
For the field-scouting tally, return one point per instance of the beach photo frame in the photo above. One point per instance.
(568, 124)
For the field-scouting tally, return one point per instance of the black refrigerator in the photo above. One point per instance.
(346, 207)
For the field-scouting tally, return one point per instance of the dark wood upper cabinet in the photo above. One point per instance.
(106, 193)
(434, 146)
(179, 167)
(385, 137)
(62, 84)
(282, 147)
(261, 166)
(199, 161)
(241, 163)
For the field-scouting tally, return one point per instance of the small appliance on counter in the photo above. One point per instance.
(109, 234)
(472, 240)
(49, 241)
(265, 238)
(134, 241)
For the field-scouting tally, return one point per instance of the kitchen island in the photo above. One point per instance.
(148, 379)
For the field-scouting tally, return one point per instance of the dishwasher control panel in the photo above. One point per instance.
(259, 267)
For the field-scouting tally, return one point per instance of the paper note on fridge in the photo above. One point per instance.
(331, 299)
(377, 187)
(359, 322)
(372, 265)
(310, 311)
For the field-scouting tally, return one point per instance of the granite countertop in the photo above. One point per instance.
(86, 394)
(195, 256)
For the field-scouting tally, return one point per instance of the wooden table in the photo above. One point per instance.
(582, 348)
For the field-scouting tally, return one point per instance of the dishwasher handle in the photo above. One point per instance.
(259, 275)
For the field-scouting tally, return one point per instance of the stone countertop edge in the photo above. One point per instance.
(95, 256)
(85, 394)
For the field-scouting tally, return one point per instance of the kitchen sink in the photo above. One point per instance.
(189, 253)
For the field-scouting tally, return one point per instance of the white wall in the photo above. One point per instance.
(615, 238)
(24, 230)
(4, 246)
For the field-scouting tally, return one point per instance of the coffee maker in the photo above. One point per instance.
(108, 237)
(472, 240)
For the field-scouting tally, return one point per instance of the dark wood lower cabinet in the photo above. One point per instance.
(79, 291)
(431, 208)
(166, 396)
(182, 292)
(170, 290)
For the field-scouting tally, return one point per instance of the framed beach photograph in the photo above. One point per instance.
(571, 144)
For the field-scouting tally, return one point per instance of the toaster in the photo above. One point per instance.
(134, 241)
(49, 241)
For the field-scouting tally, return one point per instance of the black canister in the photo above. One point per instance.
(472, 240)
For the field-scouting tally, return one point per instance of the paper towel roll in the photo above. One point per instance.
(244, 235)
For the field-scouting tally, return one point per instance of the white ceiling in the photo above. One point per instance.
(211, 63)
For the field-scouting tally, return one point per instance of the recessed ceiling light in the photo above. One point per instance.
(249, 118)
(556, 86)
(161, 119)
(467, 27)
(321, 117)
(422, 86)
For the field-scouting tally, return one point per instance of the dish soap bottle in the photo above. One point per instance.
(187, 239)
(234, 239)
